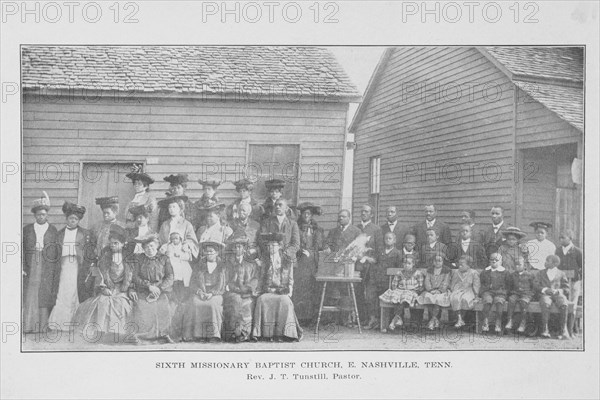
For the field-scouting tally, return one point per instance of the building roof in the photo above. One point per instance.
(553, 76)
(295, 73)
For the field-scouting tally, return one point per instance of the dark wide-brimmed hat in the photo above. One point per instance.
(245, 183)
(177, 179)
(142, 209)
(43, 203)
(307, 205)
(271, 237)
(274, 184)
(211, 243)
(69, 208)
(513, 230)
(210, 182)
(543, 225)
(137, 174)
(151, 237)
(172, 199)
(118, 233)
(104, 202)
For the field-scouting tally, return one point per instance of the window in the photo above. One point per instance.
(375, 181)
(274, 161)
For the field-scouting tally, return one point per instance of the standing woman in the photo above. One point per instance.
(110, 210)
(141, 185)
(244, 188)
(73, 281)
(177, 186)
(274, 315)
(203, 316)
(152, 280)
(311, 242)
(209, 198)
(39, 257)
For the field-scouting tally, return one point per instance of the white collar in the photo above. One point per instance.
(280, 218)
(497, 226)
(430, 223)
(364, 224)
(467, 241)
(407, 252)
(432, 245)
(388, 251)
(344, 227)
(392, 223)
(567, 248)
(500, 268)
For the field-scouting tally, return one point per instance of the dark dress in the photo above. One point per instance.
(203, 318)
(198, 210)
(152, 317)
(108, 313)
(240, 298)
(38, 268)
(305, 285)
(274, 314)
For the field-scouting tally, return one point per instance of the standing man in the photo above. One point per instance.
(431, 222)
(375, 242)
(342, 235)
(280, 223)
(492, 236)
(392, 225)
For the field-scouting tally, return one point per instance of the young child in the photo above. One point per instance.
(180, 255)
(571, 259)
(552, 286)
(493, 291)
(521, 287)
(389, 257)
(464, 285)
(436, 294)
(540, 247)
(511, 250)
(409, 248)
(406, 287)
(432, 249)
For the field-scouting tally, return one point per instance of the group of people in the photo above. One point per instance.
(177, 270)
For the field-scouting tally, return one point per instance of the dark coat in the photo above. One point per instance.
(572, 261)
(85, 250)
(291, 236)
(443, 231)
(399, 231)
(374, 231)
(560, 282)
(338, 239)
(494, 281)
(475, 250)
(50, 257)
(492, 241)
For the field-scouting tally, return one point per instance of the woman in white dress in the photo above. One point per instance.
(73, 282)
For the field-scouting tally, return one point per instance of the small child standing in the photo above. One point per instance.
(540, 248)
(464, 285)
(493, 291)
(432, 249)
(406, 287)
(180, 255)
(436, 294)
(521, 286)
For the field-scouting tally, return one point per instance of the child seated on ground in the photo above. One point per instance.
(436, 294)
(464, 286)
(405, 289)
(521, 289)
(553, 287)
(493, 291)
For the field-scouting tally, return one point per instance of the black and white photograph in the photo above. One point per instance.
(324, 210)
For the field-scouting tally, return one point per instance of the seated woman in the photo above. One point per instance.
(153, 280)
(464, 285)
(242, 290)
(274, 315)
(203, 313)
(406, 287)
(110, 309)
(437, 290)
(214, 231)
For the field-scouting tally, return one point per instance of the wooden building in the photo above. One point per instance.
(467, 128)
(90, 112)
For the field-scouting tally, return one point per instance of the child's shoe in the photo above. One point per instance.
(460, 323)
(521, 328)
(509, 325)
(431, 324)
(485, 327)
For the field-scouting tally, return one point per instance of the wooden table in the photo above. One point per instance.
(349, 281)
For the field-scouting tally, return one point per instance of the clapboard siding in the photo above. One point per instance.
(179, 136)
(438, 135)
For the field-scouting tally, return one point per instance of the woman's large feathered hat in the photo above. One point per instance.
(137, 174)
(43, 203)
(69, 208)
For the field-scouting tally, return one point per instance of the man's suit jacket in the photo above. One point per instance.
(374, 231)
(338, 239)
(492, 241)
(475, 251)
(573, 260)
(560, 282)
(289, 230)
(399, 231)
(442, 229)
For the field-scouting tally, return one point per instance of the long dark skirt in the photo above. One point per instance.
(106, 314)
(152, 320)
(305, 294)
(31, 306)
(203, 319)
(177, 300)
(274, 316)
(238, 312)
